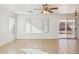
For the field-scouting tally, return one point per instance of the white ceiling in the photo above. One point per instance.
(26, 8)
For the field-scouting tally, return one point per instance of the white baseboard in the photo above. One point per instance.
(37, 38)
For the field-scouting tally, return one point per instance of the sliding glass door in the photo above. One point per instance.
(67, 29)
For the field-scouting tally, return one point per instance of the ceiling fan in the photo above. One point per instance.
(45, 9)
(76, 13)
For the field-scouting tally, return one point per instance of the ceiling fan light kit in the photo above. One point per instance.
(45, 12)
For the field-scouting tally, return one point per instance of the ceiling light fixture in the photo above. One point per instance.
(76, 13)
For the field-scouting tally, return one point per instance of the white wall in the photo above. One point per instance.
(53, 26)
(5, 36)
(77, 27)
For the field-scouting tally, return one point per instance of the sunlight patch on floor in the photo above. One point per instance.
(33, 51)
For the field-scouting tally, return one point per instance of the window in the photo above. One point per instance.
(11, 24)
(37, 26)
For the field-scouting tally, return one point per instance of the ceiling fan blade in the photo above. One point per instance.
(53, 8)
(50, 11)
(45, 6)
(38, 9)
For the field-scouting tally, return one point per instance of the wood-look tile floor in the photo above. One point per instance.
(50, 46)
